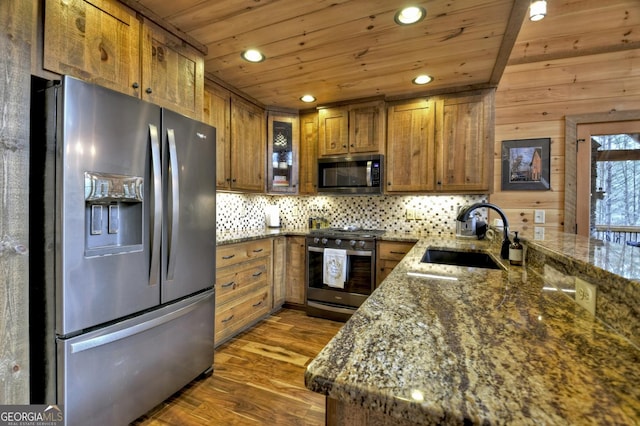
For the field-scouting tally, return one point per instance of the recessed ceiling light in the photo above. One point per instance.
(422, 79)
(537, 10)
(253, 55)
(410, 15)
(308, 98)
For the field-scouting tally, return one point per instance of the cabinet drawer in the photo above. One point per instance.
(236, 253)
(232, 317)
(241, 279)
(393, 251)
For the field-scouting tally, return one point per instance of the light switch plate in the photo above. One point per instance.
(538, 216)
(538, 233)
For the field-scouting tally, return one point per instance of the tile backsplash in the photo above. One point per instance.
(436, 213)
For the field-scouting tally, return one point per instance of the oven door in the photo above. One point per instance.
(359, 282)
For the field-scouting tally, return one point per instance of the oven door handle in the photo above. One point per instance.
(366, 253)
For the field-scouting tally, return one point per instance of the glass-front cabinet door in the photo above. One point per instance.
(283, 136)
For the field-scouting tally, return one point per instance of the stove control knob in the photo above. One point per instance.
(361, 243)
(352, 243)
(324, 241)
(338, 242)
(316, 240)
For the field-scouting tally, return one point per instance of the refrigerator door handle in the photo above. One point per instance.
(105, 339)
(156, 226)
(175, 203)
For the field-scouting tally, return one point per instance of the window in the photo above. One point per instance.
(615, 187)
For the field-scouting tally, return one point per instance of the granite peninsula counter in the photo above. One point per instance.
(438, 344)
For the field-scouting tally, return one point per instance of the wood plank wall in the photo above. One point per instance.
(532, 101)
(15, 63)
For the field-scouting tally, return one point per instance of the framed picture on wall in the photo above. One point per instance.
(526, 164)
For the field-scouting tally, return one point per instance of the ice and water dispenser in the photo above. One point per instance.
(113, 213)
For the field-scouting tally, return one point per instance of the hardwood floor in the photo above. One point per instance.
(258, 378)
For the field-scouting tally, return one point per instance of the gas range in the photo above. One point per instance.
(328, 251)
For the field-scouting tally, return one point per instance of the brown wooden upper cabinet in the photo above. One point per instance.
(104, 42)
(464, 141)
(217, 112)
(351, 129)
(248, 150)
(283, 151)
(172, 72)
(410, 158)
(308, 171)
(98, 41)
(240, 140)
(441, 144)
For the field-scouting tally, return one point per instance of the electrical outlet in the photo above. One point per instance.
(586, 295)
(420, 215)
(538, 233)
(411, 214)
(538, 216)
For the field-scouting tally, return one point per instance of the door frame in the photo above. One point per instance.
(570, 156)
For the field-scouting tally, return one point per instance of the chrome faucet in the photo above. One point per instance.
(465, 212)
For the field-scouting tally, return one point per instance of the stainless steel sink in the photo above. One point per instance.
(473, 259)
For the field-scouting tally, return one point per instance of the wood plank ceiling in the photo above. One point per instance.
(341, 50)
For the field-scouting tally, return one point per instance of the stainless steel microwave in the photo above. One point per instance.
(353, 175)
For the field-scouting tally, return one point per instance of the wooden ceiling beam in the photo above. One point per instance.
(518, 14)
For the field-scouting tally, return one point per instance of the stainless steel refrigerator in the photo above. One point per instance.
(128, 243)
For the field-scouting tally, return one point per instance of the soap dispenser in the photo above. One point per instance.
(515, 251)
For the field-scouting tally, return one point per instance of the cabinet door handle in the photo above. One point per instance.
(229, 284)
(398, 252)
(135, 85)
(255, 305)
(228, 319)
(149, 91)
(257, 250)
(257, 274)
(231, 256)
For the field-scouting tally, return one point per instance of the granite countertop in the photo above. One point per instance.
(454, 345)
(224, 237)
(232, 237)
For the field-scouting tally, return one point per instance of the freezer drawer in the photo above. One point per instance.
(114, 375)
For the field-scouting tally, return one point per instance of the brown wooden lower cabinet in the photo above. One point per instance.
(295, 271)
(339, 413)
(256, 278)
(236, 316)
(243, 286)
(388, 255)
(279, 271)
